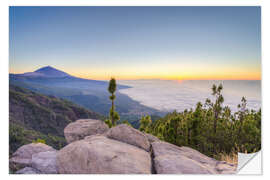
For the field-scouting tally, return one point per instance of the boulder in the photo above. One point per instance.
(84, 127)
(98, 154)
(45, 162)
(129, 135)
(27, 170)
(171, 159)
(23, 156)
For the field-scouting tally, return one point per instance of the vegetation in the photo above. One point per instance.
(145, 124)
(232, 157)
(114, 116)
(19, 135)
(35, 117)
(39, 141)
(211, 128)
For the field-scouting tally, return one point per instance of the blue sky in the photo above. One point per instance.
(138, 42)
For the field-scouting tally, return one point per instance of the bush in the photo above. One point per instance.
(39, 141)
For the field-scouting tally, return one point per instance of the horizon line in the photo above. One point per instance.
(165, 79)
(257, 78)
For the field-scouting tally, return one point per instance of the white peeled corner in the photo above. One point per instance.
(249, 163)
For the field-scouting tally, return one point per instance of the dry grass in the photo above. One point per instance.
(230, 158)
(233, 156)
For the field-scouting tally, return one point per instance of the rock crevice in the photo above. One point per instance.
(153, 168)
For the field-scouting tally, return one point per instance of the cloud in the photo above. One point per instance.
(170, 95)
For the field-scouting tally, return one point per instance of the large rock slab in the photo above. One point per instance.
(171, 159)
(23, 156)
(100, 155)
(129, 135)
(27, 170)
(45, 162)
(84, 127)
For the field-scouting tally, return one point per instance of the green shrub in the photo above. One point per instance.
(39, 141)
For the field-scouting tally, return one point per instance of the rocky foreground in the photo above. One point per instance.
(95, 149)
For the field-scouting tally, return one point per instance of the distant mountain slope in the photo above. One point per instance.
(54, 77)
(91, 94)
(49, 80)
(51, 72)
(33, 116)
(47, 71)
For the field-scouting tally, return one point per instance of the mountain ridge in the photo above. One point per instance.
(51, 72)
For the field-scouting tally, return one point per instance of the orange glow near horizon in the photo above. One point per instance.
(163, 72)
(255, 76)
(170, 75)
(251, 76)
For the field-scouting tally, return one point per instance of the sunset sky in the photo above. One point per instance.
(138, 42)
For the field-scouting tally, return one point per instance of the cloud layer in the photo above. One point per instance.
(170, 95)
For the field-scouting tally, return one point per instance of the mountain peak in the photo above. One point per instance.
(51, 72)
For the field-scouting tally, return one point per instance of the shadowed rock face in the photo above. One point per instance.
(129, 135)
(100, 155)
(95, 149)
(84, 127)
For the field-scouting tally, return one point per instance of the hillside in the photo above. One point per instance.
(33, 116)
(91, 94)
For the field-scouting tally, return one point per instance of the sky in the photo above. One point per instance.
(138, 42)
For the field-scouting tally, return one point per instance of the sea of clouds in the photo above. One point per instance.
(169, 95)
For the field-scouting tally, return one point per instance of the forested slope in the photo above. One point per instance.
(33, 116)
